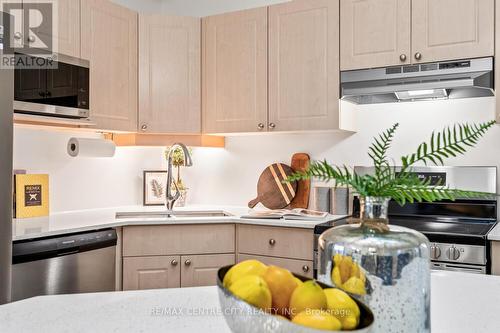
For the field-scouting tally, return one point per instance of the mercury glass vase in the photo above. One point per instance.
(386, 266)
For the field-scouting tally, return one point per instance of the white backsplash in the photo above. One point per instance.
(229, 176)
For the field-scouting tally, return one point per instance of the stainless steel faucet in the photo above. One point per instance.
(170, 198)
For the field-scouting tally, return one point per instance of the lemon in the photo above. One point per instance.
(244, 268)
(281, 283)
(343, 307)
(307, 296)
(318, 319)
(298, 281)
(253, 290)
(354, 285)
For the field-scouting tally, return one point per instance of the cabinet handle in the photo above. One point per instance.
(31, 39)
(402, 57)
(418, 55)
(174, 262)
(18, 35)
(272, 242)
(272, 125)
(144, 127)
(305, 268)
(260, 126)
(187, 262)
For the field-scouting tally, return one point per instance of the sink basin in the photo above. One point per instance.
(165, 214)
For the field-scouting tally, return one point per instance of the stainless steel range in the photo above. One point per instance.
(457, 230)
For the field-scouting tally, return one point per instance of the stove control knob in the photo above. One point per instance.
(435, 252)
(453, 253)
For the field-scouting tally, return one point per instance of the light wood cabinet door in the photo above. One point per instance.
(304, 65)
(157, 272)
(169, 74)
(276, 241)
(178, 239)
(374, 33)
(234, 65)
(67, 34)
(452, 29)
(301, 267)
(109, 42)
(201, 270)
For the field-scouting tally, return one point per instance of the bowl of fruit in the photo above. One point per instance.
(256, 298)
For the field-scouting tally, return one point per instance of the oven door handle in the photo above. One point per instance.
(459, 268)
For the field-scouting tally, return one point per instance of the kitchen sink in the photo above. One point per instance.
(172, 214)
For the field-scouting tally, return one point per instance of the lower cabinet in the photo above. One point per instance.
(495, 257)
(158, 272)
(201, 270)
(301, 267)
(151, 272)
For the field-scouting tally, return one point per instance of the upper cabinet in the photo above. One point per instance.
(68, 33)
(374, 33)
(169, 74)
(272, 69)
(452, 29)
(109, 42)
(377, 33)
(234, 65)
(304, 65)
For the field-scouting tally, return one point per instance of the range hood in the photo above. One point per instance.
(439, 80)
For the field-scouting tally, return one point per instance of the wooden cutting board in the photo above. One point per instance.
(271, 191)
(300, 162)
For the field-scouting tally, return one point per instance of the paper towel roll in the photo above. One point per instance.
(91, 147)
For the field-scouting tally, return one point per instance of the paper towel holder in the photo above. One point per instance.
(90, 147)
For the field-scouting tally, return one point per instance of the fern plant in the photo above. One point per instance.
(400, 183)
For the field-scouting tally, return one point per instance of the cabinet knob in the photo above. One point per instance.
(418, 55)
(272, 125)
(144, 127)
(272, 242)
(174, 262)
(18, 35)
(402, 57)
(31, 39)
(187, 262)
(260, 126)
(305, 268)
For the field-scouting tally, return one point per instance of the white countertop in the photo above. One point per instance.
(494, 234)
(460, 302)
(76, 221)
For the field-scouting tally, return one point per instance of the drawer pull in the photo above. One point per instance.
(187, 262)
(174, 262)
(272, 242)
(305, 268)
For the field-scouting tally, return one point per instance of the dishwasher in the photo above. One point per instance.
(64, 264)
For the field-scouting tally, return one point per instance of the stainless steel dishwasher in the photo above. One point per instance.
(64, 264)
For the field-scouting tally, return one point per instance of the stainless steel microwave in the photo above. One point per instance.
(58, 90)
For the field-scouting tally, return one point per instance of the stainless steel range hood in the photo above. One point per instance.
(439, 80)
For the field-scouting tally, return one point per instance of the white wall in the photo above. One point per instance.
(83, 183)
(197, 8)
(229, 176)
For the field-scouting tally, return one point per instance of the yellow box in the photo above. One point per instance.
(31, 195)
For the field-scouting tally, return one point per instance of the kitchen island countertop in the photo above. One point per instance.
(460, 302)
(93, 219)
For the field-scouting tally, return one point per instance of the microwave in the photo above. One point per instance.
(58, 90)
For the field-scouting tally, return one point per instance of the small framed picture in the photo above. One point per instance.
(154, 188)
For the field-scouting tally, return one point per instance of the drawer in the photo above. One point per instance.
(301, 267)
(178, 239)
(292, 243)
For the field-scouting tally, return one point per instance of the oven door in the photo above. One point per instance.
(441, 266)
